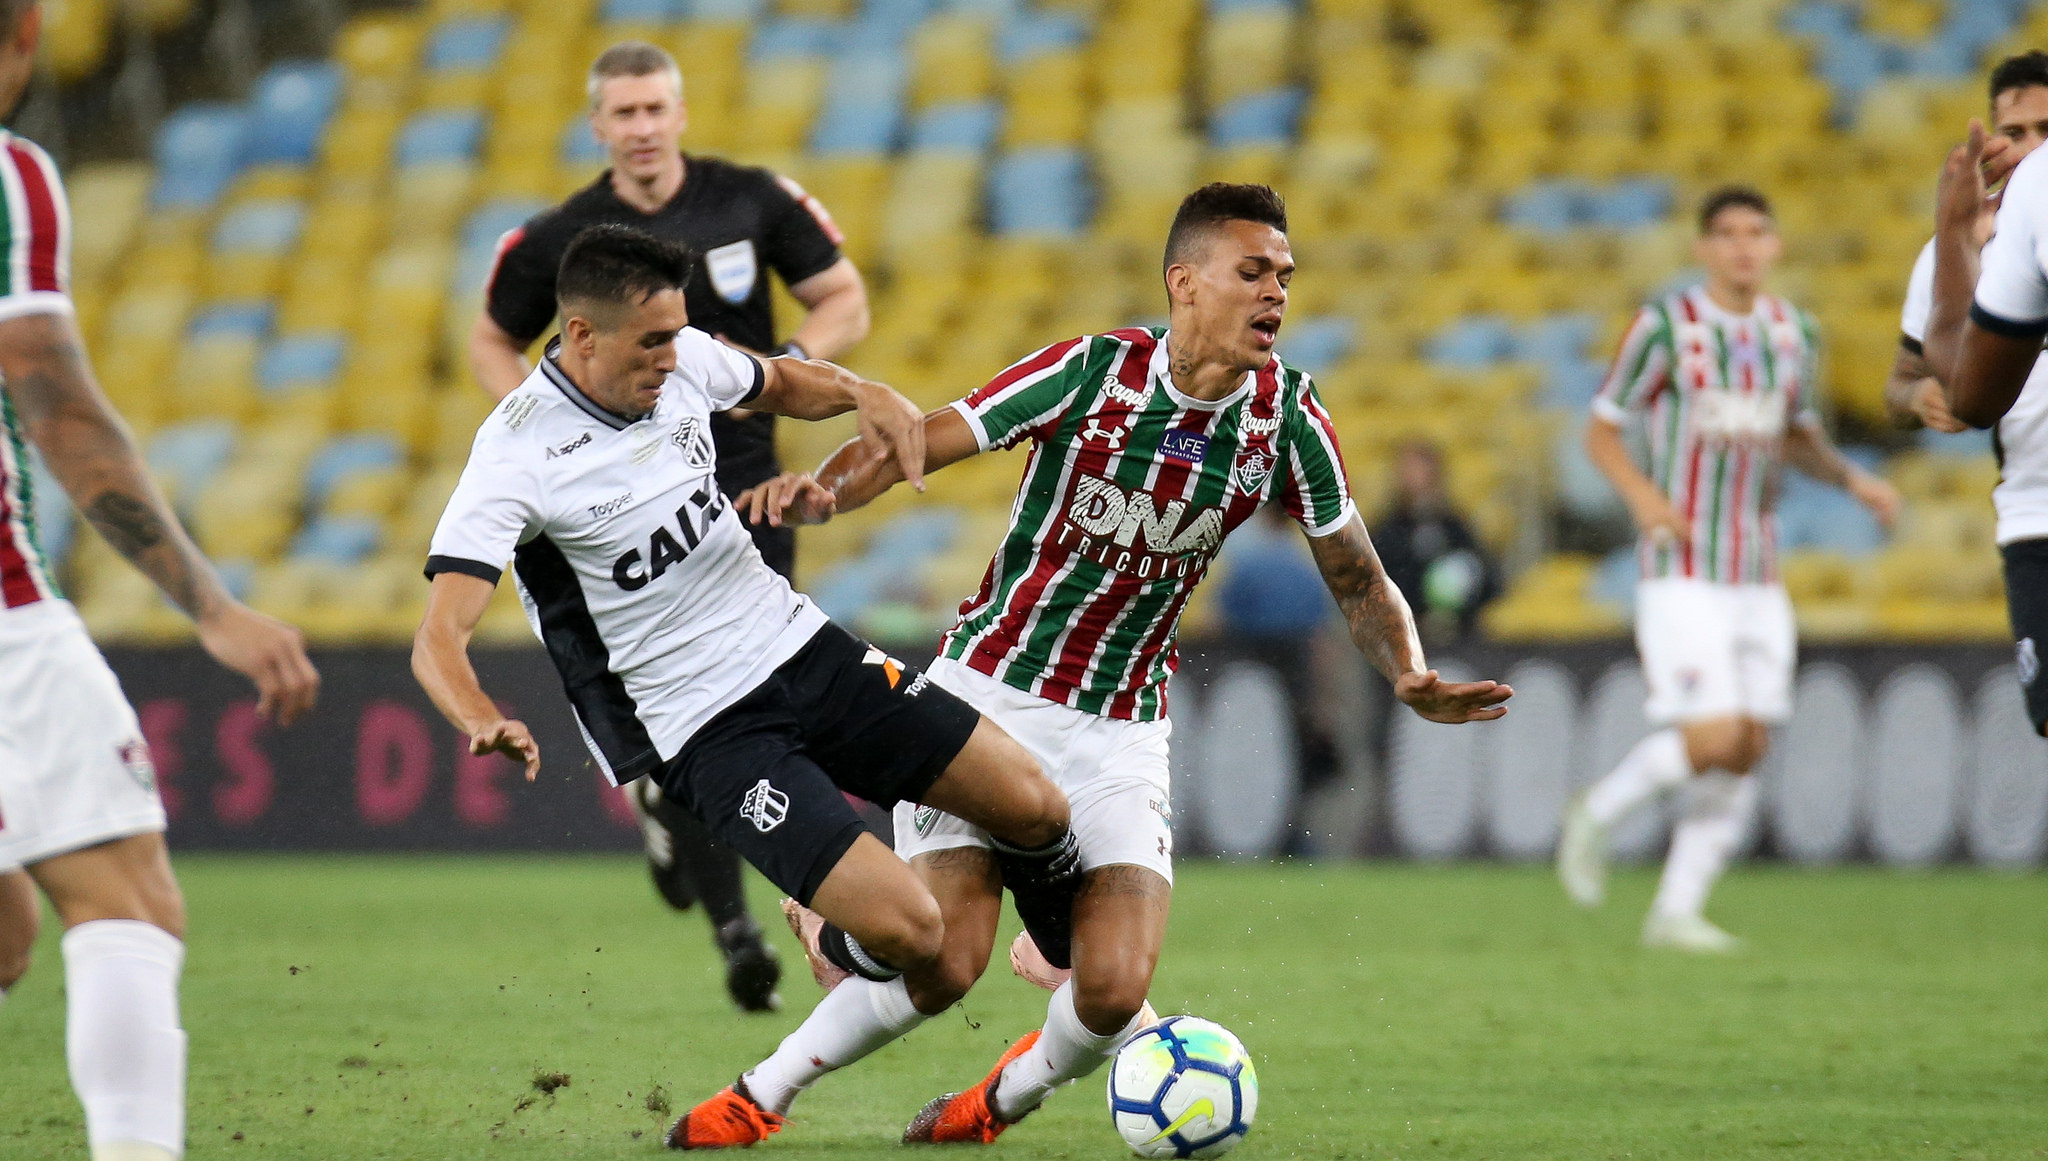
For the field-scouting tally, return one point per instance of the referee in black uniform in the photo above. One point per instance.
(744, 222)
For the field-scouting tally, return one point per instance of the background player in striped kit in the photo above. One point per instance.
(1148, 447)
(1724, 376)
(79, 807)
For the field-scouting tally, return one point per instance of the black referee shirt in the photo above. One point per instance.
(741, 221)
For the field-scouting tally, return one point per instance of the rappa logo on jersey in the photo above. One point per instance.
(1104, 523)
(1737, 416)
(1113, 388)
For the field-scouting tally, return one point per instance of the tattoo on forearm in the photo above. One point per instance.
(1374, 610)
(129, 524)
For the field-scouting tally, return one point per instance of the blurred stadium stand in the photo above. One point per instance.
(277, 285)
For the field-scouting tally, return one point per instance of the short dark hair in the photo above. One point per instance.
(631, 58)
(615, 265)
(2018, 72)
(1732, 197)
(1214, 204)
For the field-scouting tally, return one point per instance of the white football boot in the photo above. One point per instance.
(1688, 933)
(1582, 855)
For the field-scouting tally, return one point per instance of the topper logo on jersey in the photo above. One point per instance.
(1732, 416)
(572, 445)
(663, 551)
(1104, 522)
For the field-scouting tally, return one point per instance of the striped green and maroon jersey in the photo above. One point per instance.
(35, 238)
(1716, 391)
(1130, 488)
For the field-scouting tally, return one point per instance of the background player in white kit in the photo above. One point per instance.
(1724, 375)
(79, 808)
(686, 658)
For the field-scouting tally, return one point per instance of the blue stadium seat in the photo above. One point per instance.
(490, 221)
(1570, 387)
(1614, 581)
(232, 320)
(187, 456)
(995, 10)
(740, 11)
(1218, 7)
(579, 145)
(198, 150)
(1945, 56)
(56, 520)
(290, 110)
(1822, 19)
(1040, 191)
(1813, 515)
(1257, 119)
(1850, 65)
(1029, 33)
(1556, 340)
(344, 456)
(901, 15)
(863, 108)
(1472, 342)
(467, 43)
(1631, 204)
(303, 360)
(1549, 206)
(915, 534)
(445, 135)
(959, 127)
(1954, 443)
(1317, 344)
(786, 38)
(642, 11)
(265, 227)
(343, 540)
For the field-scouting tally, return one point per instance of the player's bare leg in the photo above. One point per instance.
(20, 917)
(124, 927)
(1119, 928)
(1717, 804)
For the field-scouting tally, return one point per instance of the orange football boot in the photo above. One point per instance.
(966, 1118)
(728, 1120)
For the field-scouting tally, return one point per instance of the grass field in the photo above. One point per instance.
(346, 1008)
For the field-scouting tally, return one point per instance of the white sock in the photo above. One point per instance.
(126, 1049)
(1066, 1050)
(1654, 765)
(853, 1019)
(1716, 810)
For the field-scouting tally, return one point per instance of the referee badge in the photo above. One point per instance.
(732, 270)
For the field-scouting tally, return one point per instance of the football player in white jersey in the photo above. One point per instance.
(80, 815)
(2019, 116)
(688, 660)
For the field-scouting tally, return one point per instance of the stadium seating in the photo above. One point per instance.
(1480, 190)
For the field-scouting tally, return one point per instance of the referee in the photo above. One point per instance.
(744, 222)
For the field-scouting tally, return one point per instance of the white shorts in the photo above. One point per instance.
(74, 770)
(1715, 650)
(1114, 773)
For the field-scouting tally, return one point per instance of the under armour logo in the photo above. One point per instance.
(764, 806)
(1112, 436)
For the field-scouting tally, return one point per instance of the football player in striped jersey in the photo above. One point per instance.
(1147, 447)
(1723, 375)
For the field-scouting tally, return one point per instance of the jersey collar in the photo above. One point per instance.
(1161, 372)
(553, 370)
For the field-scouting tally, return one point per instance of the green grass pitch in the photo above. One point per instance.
(346, 1008)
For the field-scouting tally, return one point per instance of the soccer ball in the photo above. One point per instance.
(1182, 1088)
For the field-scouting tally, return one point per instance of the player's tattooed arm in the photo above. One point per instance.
(90, 451)
(1383, 628)
(92, 454)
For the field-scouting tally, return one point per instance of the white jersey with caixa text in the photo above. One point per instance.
(635, 572)
(2020, 439)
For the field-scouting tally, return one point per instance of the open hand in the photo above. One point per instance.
(1452, 702)
(1881, 498)
(266, 651)
(1972, 182)
(891, 427)
(510, 738)
(790, 498)
(1659, 522)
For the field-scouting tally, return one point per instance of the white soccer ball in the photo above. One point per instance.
(1183, 1088)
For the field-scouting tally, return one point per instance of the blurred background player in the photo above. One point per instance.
(1148, 446)
(745, 222)
(2019, 438)
(80, 814)
(1725, 377)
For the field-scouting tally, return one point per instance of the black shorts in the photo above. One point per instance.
(2026, 598)
(766, 773)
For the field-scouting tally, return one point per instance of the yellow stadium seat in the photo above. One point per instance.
(1122, 75)
(781, 100)
(113, 197)
(75, 37)
(466, 89)
(358, 144)
(1245, 51)
(933, 201)
(952, 59)
(382, 45)
(434, 199)
(853, 190)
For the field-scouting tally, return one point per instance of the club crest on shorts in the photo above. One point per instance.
(134, 754)
(1252, 469)
(924, 819)
(2028, 660)
(732, 270)
(764, 806)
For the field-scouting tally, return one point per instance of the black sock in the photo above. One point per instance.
(845, 951)
(1043, 882)
(710, 866)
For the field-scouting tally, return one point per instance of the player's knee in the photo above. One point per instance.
(911, 939)
(1718, 746)
(955, 971)
(14, 965)
(1106, 1005)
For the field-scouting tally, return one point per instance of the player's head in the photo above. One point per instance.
(1227, 269)
(1738, 242)
(2019, 100)
(21, 27)
(636, 107)
(620, 291)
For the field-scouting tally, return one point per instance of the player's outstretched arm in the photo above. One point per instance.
(1981, 370)
(1808, 448)
(440, 661)
(852, 476)
(91, 453)
(1383, 628)
(814, 389)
